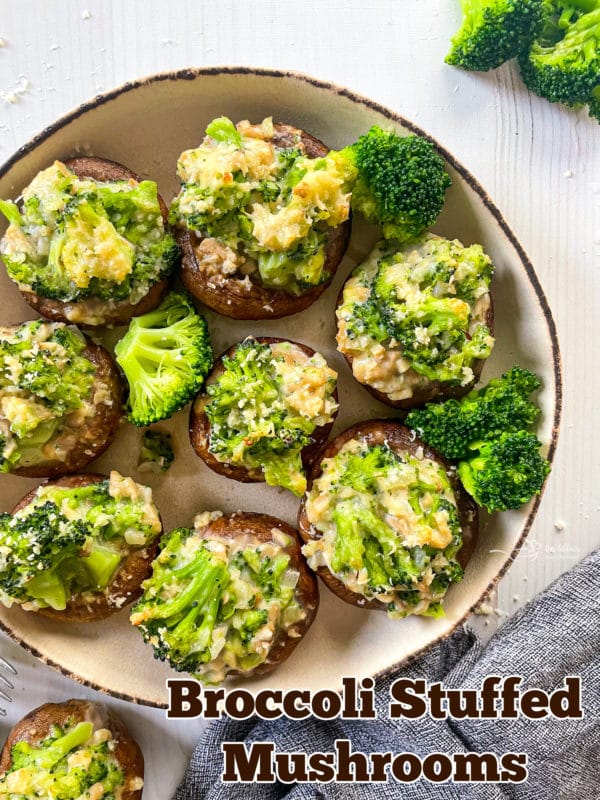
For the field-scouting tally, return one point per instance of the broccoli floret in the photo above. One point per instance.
(568, 69)
(500, 406)
(156, 453)
(52, 750)
(165, 355)
(492, 32)
(401, 182)
(505, 472)
(40, 551)
(180, 628)
(298, 269)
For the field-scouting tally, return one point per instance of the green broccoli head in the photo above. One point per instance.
(40, 551)
(165, 355)
(506, 472)
(401, 182)
(568, 69)
(492, 32)
(44, 769)
(500, 406)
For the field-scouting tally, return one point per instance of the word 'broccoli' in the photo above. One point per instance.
(165, 355)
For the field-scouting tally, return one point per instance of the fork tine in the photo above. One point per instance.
(5, 696)
(5, 682)
(7, 665)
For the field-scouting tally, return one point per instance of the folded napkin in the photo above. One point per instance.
(555, 635)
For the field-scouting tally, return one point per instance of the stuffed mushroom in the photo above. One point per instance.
(263, 216)
(77, 549)
(231, 596)
(415, 321)
(385, 522)
(266, 408)
(72, 750)
(60, 399)
(88, 243)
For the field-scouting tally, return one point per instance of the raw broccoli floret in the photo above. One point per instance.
(401, 182)
(507, 469)
(180, 627)
(502, 405)
(165, 355)
(567, 69)
(505, 472)
(156, 453)
(492, 32)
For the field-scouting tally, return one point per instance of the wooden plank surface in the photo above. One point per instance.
(540, 163)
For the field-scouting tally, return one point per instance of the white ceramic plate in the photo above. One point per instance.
(145, 125)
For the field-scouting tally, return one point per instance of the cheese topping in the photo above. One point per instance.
(432, 294)
(387, 525)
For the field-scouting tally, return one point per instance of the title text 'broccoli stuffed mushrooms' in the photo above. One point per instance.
(88, 244)
(76, 750)
(78, 549)
(264, 214)
(267, 407)
(415, 321)
(231, 596)
(385, 521)
(60, 399)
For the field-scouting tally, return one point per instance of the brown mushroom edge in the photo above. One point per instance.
(260, 526)
(434, 390)
(232, 297)
(125, 584)
(199, 426)
(400, 439)
(38, 724)
(95, 436)
(102, 312)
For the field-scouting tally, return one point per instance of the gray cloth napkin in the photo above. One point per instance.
(555, 635)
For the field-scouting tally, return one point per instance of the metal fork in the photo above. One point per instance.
(5, 684)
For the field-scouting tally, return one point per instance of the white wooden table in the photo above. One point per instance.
(540, 163)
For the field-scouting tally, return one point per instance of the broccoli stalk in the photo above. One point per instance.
(401, 182)
(492, 32)
(165, 355)
(156, 452)
(50, 754)
(502, 405)
(567, 70)
(505, 472)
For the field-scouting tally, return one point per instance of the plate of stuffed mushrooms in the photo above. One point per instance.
(279, 389)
